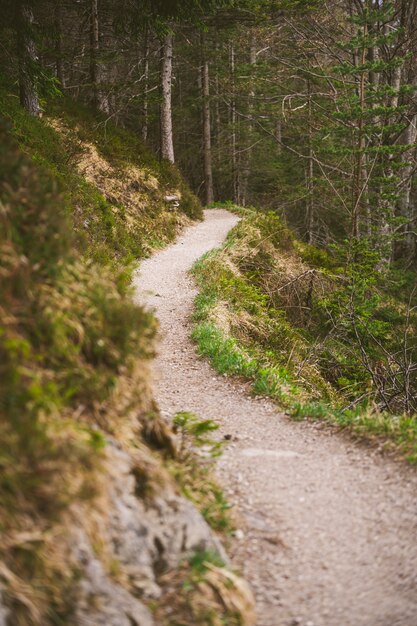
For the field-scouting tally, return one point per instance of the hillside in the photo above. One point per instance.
(94, 526)
(308, 499)
(208, 312)
(325, 338)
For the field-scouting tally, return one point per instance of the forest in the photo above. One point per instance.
(124, 126)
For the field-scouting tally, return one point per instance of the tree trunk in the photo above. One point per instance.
(145, 109)
(217, 101)
(247, 159)
(205, 90)
(310, 174)
(359, 184)
(405, 248)
(278, 135)
(94, 50)
(100, 101)
(27, 58)
(167, 143)
(235, 173)
(58, 44)
(387, 213)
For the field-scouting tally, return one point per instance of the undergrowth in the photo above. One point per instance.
(204, 591)
(80, 200)
(192, 469)
(111, 228)
(276, 311)
(68, 329)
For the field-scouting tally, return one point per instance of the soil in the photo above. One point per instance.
(328, 526)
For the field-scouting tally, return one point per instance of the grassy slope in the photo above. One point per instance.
(263, 313)
(114, 189)
(79, 200)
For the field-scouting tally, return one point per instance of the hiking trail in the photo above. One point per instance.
(328, 527)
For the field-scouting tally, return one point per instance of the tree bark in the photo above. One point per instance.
(217, 100)
(145, 109)
(278, 135)
(27, 58)
(358, 182)
(405, 248)
(58, 44)
(235, 173)
(167, 143)
(310, 174)
(100, 101)
(247, 160)
(205, 90)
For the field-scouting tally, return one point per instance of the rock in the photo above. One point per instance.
(101, 601)
(144, 538)
(3, 612)
(239, 534)
(172, 198)
(148, 539)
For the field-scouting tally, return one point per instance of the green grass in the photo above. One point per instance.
(228, 357)
(242, 329)
(71, 338)
(99, 222)
(192, 469)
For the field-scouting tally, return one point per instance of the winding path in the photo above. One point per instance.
(328, 528)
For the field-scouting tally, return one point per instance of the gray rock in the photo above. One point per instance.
(172, 198)
(148, 539)
(103, 602)
(3, 611)
(145, 538)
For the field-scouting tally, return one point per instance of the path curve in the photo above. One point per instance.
(329, 527)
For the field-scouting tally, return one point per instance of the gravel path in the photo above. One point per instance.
(329, 528)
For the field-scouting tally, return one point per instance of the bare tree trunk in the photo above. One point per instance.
(217, 102)
(358, 181)
(167, 144)
(407, 203)
(405, 248)
(413, 223)
(386, 228)
(94, 50)
(310, 174)
(27, 58)
(278, 135)
(247, 160)
(58, 44)
(145, 109)
(100, 101)
(235, 173)
(208, 170)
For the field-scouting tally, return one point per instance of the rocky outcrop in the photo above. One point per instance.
(102, 601)
(145, 537)
(3, 611)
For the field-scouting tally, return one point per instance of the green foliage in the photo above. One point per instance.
(100, 219)
(204, 592)
(68, 331)
(196, 433)
(341, 361)
(192, 469)
(224, 353)
(397, 431)
(201, 559)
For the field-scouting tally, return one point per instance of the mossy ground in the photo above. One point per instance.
(80, 200)
(107, 225)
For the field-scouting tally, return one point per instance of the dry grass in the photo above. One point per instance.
(205, 594)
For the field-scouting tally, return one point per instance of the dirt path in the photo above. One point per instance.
(330, 528)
